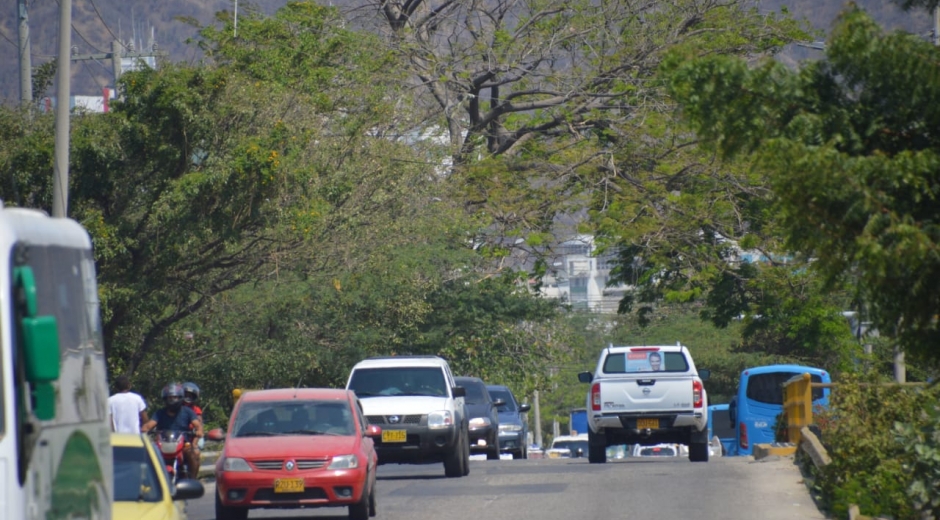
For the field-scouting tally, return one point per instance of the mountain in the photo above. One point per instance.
(97, 23)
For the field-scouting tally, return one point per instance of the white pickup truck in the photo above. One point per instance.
(646, 395)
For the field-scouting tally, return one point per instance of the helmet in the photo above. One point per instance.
(190, 392)
(172, 395)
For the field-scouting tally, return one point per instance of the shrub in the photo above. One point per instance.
(922, 450)
(869, 464)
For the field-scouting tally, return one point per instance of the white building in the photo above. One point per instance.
(79, 104)
(580, 278)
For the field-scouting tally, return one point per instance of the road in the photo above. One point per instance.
(733, 488)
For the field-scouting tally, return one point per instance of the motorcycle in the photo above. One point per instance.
(171, 445)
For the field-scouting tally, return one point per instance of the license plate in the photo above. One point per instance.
(394, 435)
(647, 424)
(289, 485)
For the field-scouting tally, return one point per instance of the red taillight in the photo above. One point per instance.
(596, 397)
(743, 436)
(696, 394)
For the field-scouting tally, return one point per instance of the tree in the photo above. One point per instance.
(848, 148)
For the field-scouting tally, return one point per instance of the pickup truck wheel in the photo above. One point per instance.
(466, 453)
(454, 461)
(698, 452)
(597, 448)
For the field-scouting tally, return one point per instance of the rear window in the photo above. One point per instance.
(768, 388)
(645, 361)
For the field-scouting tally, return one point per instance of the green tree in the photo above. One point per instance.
(849, 153)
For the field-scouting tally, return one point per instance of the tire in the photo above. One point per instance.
(372, 502)
(466, 453)
(597, 448)
(698, 452)
(360, 510)
(223, 512)
(454, 461)
(492, 450)
(520, 454)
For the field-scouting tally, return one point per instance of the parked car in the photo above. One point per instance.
(658, 450)
(420, 408)
(141, 484)
(513, 428)
(293, 448)
(568, 446)
(483, 416)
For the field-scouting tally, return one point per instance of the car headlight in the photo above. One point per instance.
(479, 422)
(440, 419)
(344, 462)
(510, 428)
(235, 464)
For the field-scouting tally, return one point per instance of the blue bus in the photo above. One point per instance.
(720, 426)
(759, 401)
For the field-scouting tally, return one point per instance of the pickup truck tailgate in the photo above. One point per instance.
(645, 394)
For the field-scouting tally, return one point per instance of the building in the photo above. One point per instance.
(580, 278)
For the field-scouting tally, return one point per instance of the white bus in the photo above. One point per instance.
(55, 451)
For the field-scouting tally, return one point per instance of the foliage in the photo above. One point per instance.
(850, 156)
(922, 456)
(870, 467)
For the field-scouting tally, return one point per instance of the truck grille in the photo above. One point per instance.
(402, 419)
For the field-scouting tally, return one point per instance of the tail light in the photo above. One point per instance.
(596, 397)
(696, 394)
(744, 443)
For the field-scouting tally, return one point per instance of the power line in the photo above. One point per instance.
(95, 7)
(7, 38)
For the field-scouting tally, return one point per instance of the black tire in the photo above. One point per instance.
(466, 453)
(597, 448)
(360, 510)
(698, 452)
(223, 512)
(454, 462)
(492, 449)
(519, 454)
(372, 502)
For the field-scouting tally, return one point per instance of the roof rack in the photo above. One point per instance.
(403, 356)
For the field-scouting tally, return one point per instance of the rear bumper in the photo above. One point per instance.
(625, 428)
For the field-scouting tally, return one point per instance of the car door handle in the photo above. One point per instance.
(646, 382)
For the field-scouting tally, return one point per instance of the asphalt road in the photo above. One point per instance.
(733, 488)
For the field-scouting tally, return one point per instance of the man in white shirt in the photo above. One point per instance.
(127, 409)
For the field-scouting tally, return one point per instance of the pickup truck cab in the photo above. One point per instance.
(646, 395)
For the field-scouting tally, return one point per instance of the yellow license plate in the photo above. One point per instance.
(394, 435)
(289, 485)
(647, 424)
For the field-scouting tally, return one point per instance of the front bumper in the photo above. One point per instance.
(511, 441)
(487, 434)
(421, 444)
(322, 488)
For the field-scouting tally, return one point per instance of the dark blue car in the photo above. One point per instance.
(513, 429)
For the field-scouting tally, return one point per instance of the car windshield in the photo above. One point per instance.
(135, 477)
(506, 396)
(571, 445)
(277, 418)
(374, 382)
(476, 391)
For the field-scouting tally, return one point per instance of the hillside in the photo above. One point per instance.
(98, 22)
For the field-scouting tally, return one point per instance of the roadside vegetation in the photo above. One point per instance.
(334, 185)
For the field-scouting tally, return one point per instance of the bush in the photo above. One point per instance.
(870, 465)
(922, 450)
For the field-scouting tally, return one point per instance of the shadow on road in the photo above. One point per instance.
(410, 477)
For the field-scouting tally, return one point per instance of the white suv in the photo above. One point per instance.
(418, 406)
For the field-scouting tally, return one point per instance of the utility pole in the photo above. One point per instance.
(538, 418)
(116, 55)
(900, 369)
(60, 181)
(26, 65)
(116, 64)
(936, 25)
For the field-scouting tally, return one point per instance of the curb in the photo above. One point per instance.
(781, 449)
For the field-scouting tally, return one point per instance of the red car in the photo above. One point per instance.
(296, 448)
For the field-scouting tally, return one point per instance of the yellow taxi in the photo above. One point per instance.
(142, 488)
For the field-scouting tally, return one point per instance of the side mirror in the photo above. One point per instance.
(585, 377)
(704, 374)
(499, 402)
(215, 434)
(40, 342)
(460, 391)
(373, 431)
(188, 489)
(523, 408)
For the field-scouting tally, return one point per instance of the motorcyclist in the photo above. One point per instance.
(176, 417)
(190, 398)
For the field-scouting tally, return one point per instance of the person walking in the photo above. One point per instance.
(127, 409)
